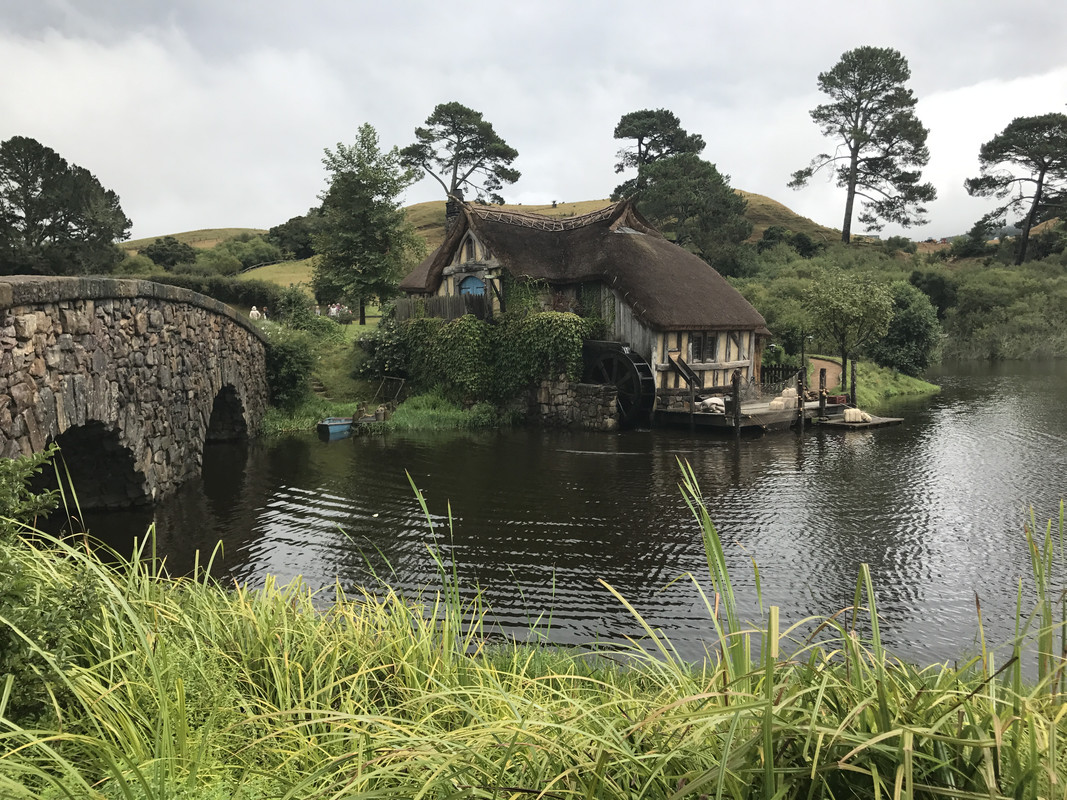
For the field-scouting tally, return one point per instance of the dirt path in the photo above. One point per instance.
(833, 372)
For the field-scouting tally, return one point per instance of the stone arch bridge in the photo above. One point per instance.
(129, 377)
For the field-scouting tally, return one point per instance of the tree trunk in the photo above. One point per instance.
(362, 311)
(844, 371)
(850, 196)
(1028, 223)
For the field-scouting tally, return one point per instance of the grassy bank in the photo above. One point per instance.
(133, 685)
(876, 385)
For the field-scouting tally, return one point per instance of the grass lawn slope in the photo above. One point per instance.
(204, 239)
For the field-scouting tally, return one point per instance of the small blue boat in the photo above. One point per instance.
(333, 428)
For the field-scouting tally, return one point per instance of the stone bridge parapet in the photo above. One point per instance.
(130, 377)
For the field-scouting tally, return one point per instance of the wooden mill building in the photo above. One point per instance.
(658, 298)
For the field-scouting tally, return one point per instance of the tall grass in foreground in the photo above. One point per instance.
(182, 688)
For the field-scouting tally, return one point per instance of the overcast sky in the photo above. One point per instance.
(215, 113)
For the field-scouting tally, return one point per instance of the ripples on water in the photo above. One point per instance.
(539, 519)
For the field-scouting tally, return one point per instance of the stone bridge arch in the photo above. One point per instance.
(130, 377)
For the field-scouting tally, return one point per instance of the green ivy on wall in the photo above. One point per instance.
(473, 360)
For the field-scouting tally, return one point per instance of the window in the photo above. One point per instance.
(468, 251)
(471, 285)
(703, 346)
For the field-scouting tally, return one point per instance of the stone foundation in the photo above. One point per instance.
(582, 406)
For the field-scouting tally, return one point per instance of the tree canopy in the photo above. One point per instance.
(364, 240)
(55, 217)
(657, 134)
(296, 234)
(168, 252)
(913, 335)
(689, 200)
(881, 143)
(850, 311)
(1025, 164)
(460, 150)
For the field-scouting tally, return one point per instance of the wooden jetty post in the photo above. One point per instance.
(852, 388)
(822, 392)
(692, 407)
(735, 382)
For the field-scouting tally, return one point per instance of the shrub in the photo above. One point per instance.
(217, 261)
(228, 289)
(384, 351)
(39, 619)
(168, 252)
(136, 265)
(290, 358)
(899, 244)
(472, 359)
(914, 332)
(20, 505)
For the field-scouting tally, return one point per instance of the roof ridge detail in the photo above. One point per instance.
(540, 222)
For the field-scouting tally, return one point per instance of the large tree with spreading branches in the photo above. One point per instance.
(1025, 165)
(881, 145)
(55, 217)
(461, 151)
(655, 134)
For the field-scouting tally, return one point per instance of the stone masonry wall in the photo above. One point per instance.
(144, 360)
(587, 406)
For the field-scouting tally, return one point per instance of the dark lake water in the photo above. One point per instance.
(935, 506)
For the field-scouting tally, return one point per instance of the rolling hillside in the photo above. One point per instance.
(429, 220)
(205, 239)
(763, 212)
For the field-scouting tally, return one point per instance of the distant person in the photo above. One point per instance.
(264, 313)
(254, 313)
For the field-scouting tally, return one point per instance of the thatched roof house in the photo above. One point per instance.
(655, 296)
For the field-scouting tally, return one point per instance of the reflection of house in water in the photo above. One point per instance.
(655, 296)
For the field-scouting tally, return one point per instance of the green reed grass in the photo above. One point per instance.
(183, 688)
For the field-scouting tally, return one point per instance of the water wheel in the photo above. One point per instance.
(615, 364)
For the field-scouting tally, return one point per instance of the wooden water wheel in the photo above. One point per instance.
(615, 364)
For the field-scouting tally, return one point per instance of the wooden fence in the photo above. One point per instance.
(447, 307)
(777, 373)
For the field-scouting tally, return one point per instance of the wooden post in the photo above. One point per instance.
(692, 407)
(735, 381)
(822, 392)
(852, 388)
(800, 401)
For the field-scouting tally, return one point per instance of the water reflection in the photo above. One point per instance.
(537, 520)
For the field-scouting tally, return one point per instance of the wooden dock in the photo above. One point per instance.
(755, 417)
(838, 422)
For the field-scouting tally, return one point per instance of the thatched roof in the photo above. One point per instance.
(667, 287)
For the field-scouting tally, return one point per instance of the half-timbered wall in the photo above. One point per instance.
(732, 350)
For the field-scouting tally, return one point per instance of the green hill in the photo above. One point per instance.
(206, 238)
(763, 212)
(429, 221)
